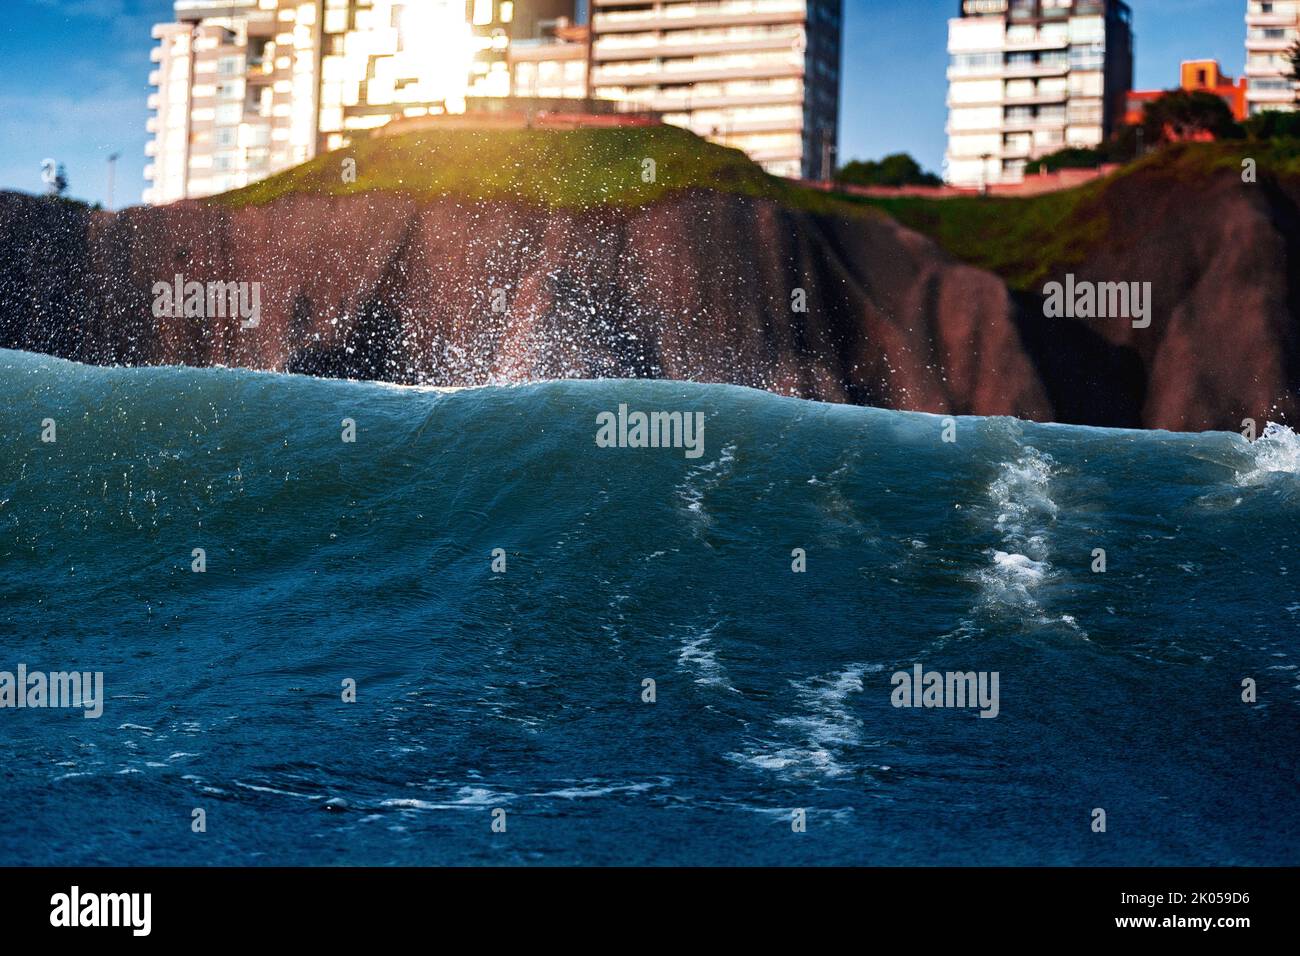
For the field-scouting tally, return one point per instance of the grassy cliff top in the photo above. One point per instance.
(1024, 239)
(560, 168)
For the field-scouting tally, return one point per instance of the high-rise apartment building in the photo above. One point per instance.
(760, 75)
(246, 88)
(553, 65)
(1272, 28)
(1030, 77)
(236, 96)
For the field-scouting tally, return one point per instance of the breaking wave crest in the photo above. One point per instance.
(1021, 500)
(1276, 452)
(622, 646)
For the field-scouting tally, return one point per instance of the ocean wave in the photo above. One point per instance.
(1277, 451)
(1020, 499)
(373, 561)
(703, 479)
(699, 657)
(818, 739)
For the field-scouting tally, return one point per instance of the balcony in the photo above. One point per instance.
(732, 13)
(1270, 71)
(1039, 43)
(974, 73)
(1037, 99)
(705, 74)
(1035, 123)
(745, 127)
(970, 104)
(1270, 19)
(1256, 95)
(1269, 44)
(668, 47)
(686, 104)
(1032, 70)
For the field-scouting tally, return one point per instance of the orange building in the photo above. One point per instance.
(1197, 75)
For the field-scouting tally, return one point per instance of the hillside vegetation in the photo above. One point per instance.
(570, 169)
(1025, 240)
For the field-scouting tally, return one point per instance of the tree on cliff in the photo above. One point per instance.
(1293, 59)
(1181, 115)
(897, 169)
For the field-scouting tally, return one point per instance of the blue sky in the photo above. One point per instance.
(74, 77)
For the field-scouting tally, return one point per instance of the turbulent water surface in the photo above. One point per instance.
(329, 561)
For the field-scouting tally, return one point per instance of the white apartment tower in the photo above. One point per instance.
(246, 88)
(236, 95)
(760, 75)
(1272, 28)
(1030, 77)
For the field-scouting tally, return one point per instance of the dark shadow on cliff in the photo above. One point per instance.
(371, 348)
(1284, 204)
(372, 342)
(610, 333)
(44, 250)
(1089, 380)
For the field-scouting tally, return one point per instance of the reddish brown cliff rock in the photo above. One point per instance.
(701, 286)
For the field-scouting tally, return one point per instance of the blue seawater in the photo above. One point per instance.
(522, 691)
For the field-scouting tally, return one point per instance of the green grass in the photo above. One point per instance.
(558, 168)
(1186, 161)
(1023, 240)
(1019, 239)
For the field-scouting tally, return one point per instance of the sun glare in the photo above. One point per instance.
(437, 47)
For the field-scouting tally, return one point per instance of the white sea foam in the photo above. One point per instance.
(814, 741)
(468, 798)
(1020, 566)
(1022, 501)
(275, 790)
(592, 790)
(699, 657)
(1276, 451)
(703, 478)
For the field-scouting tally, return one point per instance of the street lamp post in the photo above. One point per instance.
(112, 176)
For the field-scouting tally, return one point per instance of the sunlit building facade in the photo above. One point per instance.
(234, 96)
(760, 75)
(553, 65)
(1272, 28)
(1030, 77)
(246, 88)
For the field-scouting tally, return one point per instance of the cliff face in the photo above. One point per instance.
(1223, 260)
(702, 285)
(698, 284)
